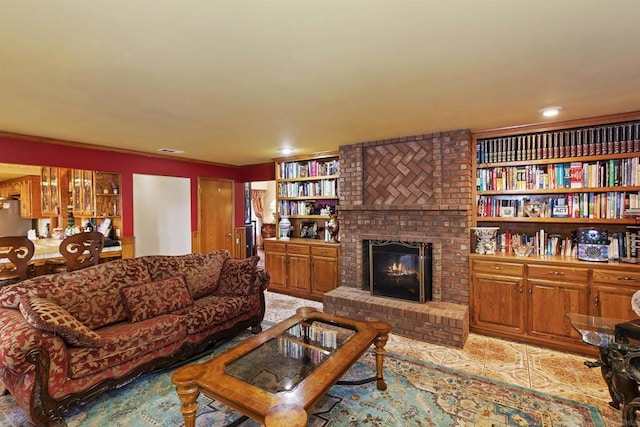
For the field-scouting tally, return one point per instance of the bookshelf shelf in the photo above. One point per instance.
(584, 173)
(562, 190)
(305, 185)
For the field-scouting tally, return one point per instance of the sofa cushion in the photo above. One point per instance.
(124, 342)
(214, 309)
(155, 298)
(203, 275)
(49, 316)
(91, 295)
(201, 271)
(237, 276)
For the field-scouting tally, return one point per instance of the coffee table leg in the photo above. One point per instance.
(380, 341)
(188, 395)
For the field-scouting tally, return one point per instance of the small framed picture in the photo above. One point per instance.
(506, 211)
(308, 229)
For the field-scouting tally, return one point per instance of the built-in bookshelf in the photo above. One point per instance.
(307, 189)
(541, 183)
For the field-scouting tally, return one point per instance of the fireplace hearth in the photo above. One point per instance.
(401, 270)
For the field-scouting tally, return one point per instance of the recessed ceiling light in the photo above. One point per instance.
(551, 111)
(286, 150)
(170, 151)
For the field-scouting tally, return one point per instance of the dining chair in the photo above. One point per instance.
(79, 251)
(18, 250)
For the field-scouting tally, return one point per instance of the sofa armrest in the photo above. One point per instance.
(262, 279)
(18, 338)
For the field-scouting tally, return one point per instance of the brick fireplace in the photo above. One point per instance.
(418, 189)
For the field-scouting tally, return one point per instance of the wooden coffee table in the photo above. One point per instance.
(275, 377)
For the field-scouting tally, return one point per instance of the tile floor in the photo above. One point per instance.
(548, 371)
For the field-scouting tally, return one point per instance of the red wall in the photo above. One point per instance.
(29, 152)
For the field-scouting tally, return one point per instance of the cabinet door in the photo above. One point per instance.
(549, 301)
(613, 301)
(25, 199)
(87, 192)
(276, 264)
(498, 302)
(299, 272)
(324, 275)
(612, 292)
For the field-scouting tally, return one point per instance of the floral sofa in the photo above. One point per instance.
(64, 338)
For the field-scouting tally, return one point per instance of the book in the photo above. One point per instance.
(575, 179)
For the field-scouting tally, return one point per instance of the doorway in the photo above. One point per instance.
(215, 215)
(161, 212)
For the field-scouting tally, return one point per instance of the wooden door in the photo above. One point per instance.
(215, 216)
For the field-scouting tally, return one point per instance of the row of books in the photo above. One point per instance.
(297, 351)
(324, 187)
(605, 173)
(609, 205)
(589, 141)
(317, 335)
(623, 245)
(311, 168)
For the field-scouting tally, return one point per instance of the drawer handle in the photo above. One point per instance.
(557, 273)
(495, 267)
(634, 279)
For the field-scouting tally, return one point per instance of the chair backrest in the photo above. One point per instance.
(18, 250)
(82, 250)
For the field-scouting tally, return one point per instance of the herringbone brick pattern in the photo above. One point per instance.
(399, 174)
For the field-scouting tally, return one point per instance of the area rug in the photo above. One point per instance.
(418, 394)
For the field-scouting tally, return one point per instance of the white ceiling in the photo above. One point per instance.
(232, 81)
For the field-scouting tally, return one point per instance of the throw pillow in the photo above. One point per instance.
(155, 298)
(44, 314)
(202, 271)
(237, 276)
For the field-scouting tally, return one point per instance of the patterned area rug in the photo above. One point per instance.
(418, 394)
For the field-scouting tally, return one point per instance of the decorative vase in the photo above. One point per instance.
(334, 228)
(486, 239)
(284, 225)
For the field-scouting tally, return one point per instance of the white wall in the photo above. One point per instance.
(161, 215)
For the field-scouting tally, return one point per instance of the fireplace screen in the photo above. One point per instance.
(400, 270)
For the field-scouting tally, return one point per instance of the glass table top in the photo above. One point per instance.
(601, 331)
(281, 363)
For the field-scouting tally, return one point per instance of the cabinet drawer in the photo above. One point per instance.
(550, 272)
(617, 277)
(502, 268)
(298, 249)
(327, 252)
(273, 246)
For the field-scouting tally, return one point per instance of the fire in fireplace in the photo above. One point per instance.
(400, 270)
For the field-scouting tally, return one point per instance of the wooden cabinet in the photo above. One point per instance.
(82, 193)
(276, 264)
(554, 291)
(526, 299)
(307, 190)
(299, 268)
(302, 267)
(27, 188)
(540, 184)
(50, 192)
(612, 292)
(498, 296)
(324, 270)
